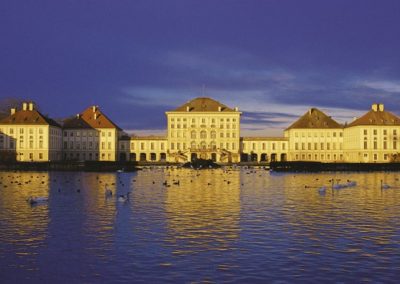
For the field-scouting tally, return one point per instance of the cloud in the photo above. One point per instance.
(382, 86)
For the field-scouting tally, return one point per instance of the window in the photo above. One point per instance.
(103, 145)
(40, 144)
(365, 132)
(315, 146)
(365, 145)
(193, 134)
(152, 146)
(384, 145)
(203, 134)
(375, 145)
(213, 134)
(172, 146)
(296, 146)
(40, 156)
(384, 131)
(309, 146)
(375, 132)
(21, 131)
(142, 146)
(273, 146)
(109, 134)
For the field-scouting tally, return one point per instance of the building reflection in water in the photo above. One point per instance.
(203, 211)
(23, 227)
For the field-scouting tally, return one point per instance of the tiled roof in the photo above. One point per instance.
(314, 118)
(28, 117)
(91, 117)
(376, 118)
(203, 105)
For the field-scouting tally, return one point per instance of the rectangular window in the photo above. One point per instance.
(322, 146)
(328, 146)
(365, 145)
(384, 145)
(315, 146)
(365, 132)
(375, 145)
(296, 146)
(309, 146)
(40, 156)
(103, 145)
(109, 145)
(394, 145)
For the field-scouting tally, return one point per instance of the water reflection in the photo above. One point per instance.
(203, 211)
(194, 226)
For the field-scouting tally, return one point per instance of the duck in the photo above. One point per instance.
(124, 198)
(36, 200)
(322, 189)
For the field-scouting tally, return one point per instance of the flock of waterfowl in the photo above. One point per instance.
(5, 181)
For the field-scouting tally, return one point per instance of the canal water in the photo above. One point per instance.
(240, 226)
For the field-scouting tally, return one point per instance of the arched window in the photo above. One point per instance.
(193, 134)
(213, 145)
(203, 135)
(213, 135)
(193, 145)
(203, 145)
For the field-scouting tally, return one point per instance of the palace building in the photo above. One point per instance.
(200, 128)
(30, 136)
(90, 135)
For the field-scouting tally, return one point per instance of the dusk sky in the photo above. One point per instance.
(138, 59)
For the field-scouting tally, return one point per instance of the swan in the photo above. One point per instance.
(124, 198)
(36, 200)
(108, 192)
(384, 185)
(322, 189)
(351, 183)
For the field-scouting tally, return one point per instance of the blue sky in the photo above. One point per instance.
(138, 59)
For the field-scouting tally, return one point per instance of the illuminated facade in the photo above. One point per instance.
(29, 136)
(201, 128)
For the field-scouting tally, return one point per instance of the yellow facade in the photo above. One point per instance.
(203, 128)
(373, 137)
(264, 149)
(29, 136)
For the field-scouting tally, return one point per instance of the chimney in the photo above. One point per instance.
(374, 107)
(31, 106)
(381, 107)
(24, 106)
(95, 116)
(219, 108)
(13, 110)
(188, 108)
(236, 109)
(94, 108)
(78, 116)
